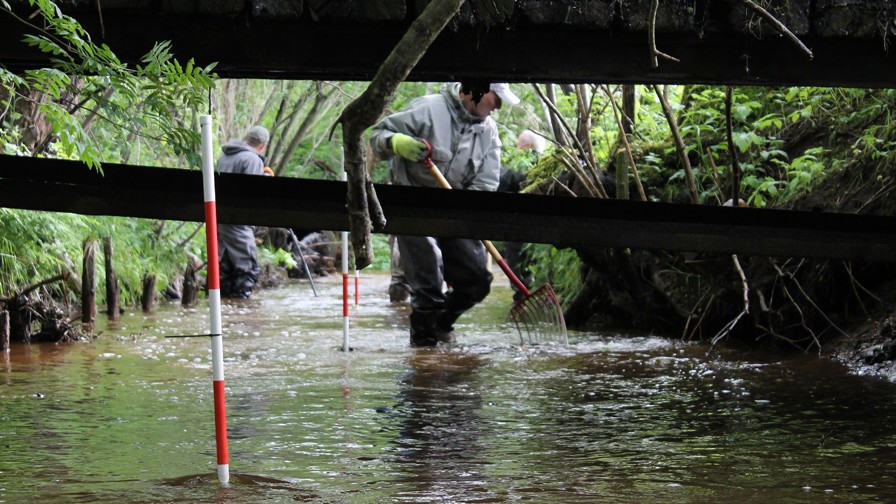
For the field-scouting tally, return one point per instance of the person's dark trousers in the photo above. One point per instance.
(237, 256)
(431, 263)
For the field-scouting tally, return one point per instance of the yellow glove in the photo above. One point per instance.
(268, 171)
(409, 147)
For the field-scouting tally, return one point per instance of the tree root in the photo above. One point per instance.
(29, 311)
(801, 303)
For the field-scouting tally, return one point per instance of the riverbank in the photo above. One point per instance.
(868, 347)
(864, 339)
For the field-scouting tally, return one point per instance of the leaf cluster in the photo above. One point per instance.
(87, 81)
(775, 132)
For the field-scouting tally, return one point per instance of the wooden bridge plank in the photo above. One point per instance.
(146, 192)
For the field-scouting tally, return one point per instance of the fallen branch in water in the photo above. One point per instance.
(58, 278)
(746, 291)
(810, 301)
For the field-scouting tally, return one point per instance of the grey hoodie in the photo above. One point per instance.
(240, 158)
(466, 148)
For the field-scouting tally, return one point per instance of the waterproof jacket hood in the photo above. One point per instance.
(239, 157)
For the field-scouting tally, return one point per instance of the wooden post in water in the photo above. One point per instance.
(148, 299)
(4, 331)
(112, 290)
(88, 283)
(191, 289)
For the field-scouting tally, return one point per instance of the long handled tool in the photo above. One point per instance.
(304, 262)
(538, 316)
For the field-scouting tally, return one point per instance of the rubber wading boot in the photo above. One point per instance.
(445, 326)
(423, 328)
(398, 293)
(447, 337)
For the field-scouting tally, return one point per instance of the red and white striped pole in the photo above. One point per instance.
(345, 342)
(214, 298)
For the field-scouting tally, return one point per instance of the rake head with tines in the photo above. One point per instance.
(539, 317)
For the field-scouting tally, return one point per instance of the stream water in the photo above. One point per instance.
(610, 419)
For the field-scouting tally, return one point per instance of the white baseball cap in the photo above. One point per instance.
(502, 89)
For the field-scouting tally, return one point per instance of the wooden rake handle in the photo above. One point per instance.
(434, 170)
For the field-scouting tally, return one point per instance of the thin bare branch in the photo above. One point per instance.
(778, 26)
(715, 174)
(572, 164)
(26, 290)
(732, 149)
(679, 144)
(596, 187)
(628, 148)
(743, 281)
(651, 37)
(564, 187)
(746, 309)
(799, 287)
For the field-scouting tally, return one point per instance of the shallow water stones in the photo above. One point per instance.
(879, 353)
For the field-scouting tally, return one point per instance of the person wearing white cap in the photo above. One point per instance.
(237, 251)
(456, 125)
(502, 89)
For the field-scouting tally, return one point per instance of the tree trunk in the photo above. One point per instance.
(628, 126)
(554, 119)
(88, 283)
(112, 290)
(286, 148)
(732, 149)
(628, 108)
(583, 121)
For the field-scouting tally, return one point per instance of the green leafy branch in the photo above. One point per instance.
(149, 97)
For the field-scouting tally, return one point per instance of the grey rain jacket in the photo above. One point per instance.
(466, 148)
(237, 251)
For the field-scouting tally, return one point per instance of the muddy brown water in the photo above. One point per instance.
(610, 419)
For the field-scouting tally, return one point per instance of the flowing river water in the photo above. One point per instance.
(610, 419)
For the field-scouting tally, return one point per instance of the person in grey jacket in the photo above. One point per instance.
(457, 125)
(237, 249)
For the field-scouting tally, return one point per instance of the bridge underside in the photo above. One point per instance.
(139, 191)
(592, 41)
